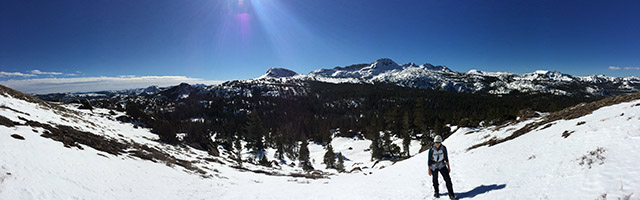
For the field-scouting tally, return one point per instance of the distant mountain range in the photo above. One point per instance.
(474, 81)
(285, 82)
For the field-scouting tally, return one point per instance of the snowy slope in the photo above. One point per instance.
(541, 164)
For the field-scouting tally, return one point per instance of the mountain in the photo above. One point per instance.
(111, 94)
(427, 76)
(181, 91)
(56, 151)
(286, 83)
(278, 73)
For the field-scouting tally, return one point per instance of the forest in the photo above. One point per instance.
(286, 123)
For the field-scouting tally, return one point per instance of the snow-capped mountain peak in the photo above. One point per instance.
(548, 75)
(436, 68)
(278, 73)
(383, 64)
(440, 77)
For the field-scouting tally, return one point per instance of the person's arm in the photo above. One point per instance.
(446, 158)
(429, 162)
(430, 154)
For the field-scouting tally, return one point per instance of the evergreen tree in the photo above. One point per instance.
(392, 120)
(419, 120)
(86, 104)
(330, 158)
(389, 149)
(406, 132)
(376, 151)
(304, 156)
(255, 134)
(340, 164)
(238, 147)
(279, 142)
(166, 131)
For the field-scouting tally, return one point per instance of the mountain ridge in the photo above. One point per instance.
(439, 77)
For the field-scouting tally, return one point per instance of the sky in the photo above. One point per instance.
(105, 42)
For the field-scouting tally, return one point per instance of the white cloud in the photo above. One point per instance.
(9, 74)
(632, 68)
(625, 68)
(38, 72)
(614, 68)
(87, 84)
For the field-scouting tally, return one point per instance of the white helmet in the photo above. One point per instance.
(438, 138)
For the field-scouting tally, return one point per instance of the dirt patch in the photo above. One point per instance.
(71, 137)
(547, 126)
(566, 134)
(7, 122)
(14, 110)
(16, 136)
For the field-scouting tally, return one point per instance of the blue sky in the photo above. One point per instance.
(208, 40)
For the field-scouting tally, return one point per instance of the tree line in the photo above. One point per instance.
(376, 112)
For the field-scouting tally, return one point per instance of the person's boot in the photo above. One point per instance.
(436, 195)
(452, 197)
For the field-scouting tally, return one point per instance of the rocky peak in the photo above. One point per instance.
(278, 73)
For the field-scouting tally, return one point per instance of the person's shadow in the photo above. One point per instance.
(476, 191)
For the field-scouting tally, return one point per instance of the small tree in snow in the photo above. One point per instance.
(304, 156)
(340, 164)
(264, 162)
(238, 147)
(330, 157)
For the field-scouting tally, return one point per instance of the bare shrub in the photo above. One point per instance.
(592, 158)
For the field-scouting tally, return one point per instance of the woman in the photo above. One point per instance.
(439, 162)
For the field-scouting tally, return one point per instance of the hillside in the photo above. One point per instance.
(584, 156)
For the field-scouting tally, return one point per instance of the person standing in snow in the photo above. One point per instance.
(439, 162)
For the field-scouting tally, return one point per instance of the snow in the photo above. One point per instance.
(278, 73)
(440, 77)
(541, 164)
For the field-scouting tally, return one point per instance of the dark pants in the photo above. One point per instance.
(445, 174)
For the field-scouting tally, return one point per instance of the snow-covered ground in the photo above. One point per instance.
(597, 159)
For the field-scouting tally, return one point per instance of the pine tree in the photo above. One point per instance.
(279, 146)
(238, 147)
(304, 156)
(330, 158)
(406, 132)
(255, 134)
(376, 151)
(392, 121)
(340, 164)
(389, 149)
(418, 116)
(166, 131)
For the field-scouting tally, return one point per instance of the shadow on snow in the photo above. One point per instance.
(478, 190)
